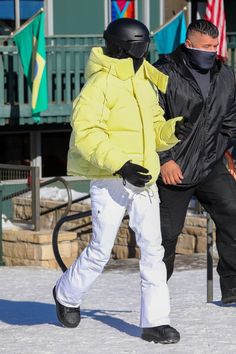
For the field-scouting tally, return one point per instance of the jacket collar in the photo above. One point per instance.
(159, 79)
(123, 68)
(98, 61)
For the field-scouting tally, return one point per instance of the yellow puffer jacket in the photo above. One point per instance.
(117, 118)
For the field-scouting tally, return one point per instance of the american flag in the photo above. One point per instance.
(215, 13)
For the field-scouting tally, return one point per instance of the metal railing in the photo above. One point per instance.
(231, 45)
(15, 181)
(67, 204)
(66, 60)
(56, 230)
(19, 180)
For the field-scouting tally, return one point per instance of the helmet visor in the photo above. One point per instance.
(137, 49)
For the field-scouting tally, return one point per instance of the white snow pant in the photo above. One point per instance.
(110, 199)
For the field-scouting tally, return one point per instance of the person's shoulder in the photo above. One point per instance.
(161, 62)
(226, 69)
(97, 80)
(168, 62)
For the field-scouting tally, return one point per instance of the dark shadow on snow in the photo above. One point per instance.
(29, 313)
(106, 317)
(220, 304)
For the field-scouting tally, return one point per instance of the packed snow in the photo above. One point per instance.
(110, 311)
(60, 194)
(7, 224)
(110, 315)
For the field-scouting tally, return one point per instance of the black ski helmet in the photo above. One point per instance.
(129, 36)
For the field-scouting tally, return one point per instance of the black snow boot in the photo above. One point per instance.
(229, 296)
(161, 334)
(68, 316)
(228, 289)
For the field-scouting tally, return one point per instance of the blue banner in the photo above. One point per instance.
(171, 35)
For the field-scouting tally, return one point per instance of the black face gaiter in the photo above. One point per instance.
(137, 63)
(200, 58)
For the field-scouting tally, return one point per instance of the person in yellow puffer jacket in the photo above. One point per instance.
(118, 128)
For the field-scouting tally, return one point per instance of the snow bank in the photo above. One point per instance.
(7, 224)
(60, 194)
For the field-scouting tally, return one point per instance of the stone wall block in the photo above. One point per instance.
(120, 252)
(186, 244)
(201, 245)
(196, 221)
(194, 230)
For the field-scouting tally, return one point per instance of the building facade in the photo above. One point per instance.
(71, 30)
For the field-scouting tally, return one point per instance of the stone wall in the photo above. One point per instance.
(25, 247)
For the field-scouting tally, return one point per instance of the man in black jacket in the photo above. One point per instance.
(202, 89)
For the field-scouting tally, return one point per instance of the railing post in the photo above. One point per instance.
(1, 253)
(35, 198)
(209, 259)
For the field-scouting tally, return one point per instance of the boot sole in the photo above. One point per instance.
(156, 340)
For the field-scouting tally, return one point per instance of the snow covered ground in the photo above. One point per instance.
(110, 312)
(110, 315)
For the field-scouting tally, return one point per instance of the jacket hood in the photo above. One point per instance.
(123, 68)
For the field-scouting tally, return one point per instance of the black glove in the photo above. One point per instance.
(134, 174)
(183, 129)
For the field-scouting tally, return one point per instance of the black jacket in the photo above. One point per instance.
(214, 119)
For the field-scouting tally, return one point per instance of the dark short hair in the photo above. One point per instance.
(204, 27)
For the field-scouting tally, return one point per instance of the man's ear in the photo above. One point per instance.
(188, 43)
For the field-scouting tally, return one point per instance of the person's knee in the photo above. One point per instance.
(99, 253)
(171, 229)
(229, 208)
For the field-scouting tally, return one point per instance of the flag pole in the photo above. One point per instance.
(17, 13)
(22, 27)
(26, 23)
(168, 22)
